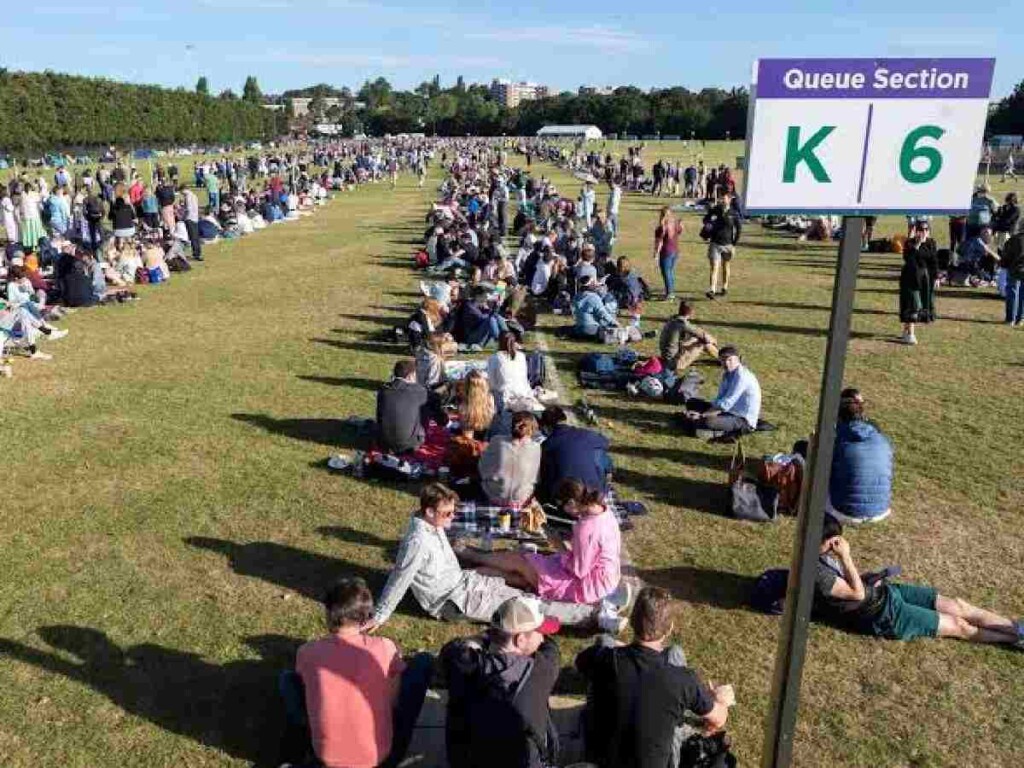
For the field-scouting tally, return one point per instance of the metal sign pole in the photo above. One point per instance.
(789, 658)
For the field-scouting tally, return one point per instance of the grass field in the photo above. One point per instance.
(168, 523)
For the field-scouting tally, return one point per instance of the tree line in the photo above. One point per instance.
(42, 111)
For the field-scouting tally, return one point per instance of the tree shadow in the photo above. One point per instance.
(231, 707)
(887, 291)
(640, 418)
(370, 385)
(332, 432)
(701, 495)
(969, 293)
(704, 586)
(306, 573)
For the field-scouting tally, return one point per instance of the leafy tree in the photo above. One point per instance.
(203, 86)
(251, 91)
(1008, 115)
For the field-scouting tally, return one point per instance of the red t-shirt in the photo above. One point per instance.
(669, 240)
(349, 682)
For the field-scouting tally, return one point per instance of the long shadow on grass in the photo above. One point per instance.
(307, 573)
(704, 586)
(775, 328)
(334, 432)
(370, 385)
(230, 707)
(355, 536)
(675, 455)
(701, 495)
(376, 347)
(388, 321)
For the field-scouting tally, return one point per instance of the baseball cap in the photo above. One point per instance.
(523, 614)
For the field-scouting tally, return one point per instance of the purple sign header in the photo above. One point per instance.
(874, 78)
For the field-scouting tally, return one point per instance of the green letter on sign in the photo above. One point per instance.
(910, 152)
(795, 154)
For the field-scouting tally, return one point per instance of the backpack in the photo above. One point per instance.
(786, 477)
(769, 592)
(597, 362)
(422, 259)
(980, 214)
(701, 751)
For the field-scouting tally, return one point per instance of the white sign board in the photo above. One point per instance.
(865, 136)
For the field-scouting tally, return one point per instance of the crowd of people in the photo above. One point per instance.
(490, 435)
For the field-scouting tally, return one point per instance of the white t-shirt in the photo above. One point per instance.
(541, 277)
(508, 377)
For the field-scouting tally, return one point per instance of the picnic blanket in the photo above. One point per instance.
(456, 370)
(475, 519)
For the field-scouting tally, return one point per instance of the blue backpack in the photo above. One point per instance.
(597, 362)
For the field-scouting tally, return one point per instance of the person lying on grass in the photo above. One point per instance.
(897, 611)
(426, 564)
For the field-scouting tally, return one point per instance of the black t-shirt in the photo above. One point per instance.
(165, 195)
(637, 700)
(400, 407)
(845, 612)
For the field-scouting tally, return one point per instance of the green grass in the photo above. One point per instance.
(168, 525)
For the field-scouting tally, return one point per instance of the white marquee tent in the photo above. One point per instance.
(570, 131)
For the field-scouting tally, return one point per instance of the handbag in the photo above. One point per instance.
(744, 495)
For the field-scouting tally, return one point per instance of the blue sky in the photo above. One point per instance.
(292, 43)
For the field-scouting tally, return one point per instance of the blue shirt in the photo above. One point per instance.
(740, 394)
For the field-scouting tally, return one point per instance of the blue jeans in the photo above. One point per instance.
(667, 263)
(488, 332)
(214, 201)
(1014, 300)
(413, 690)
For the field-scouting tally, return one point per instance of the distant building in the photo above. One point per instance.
(570, 132)
(511, 94)
(596, 90)
(300, 105)
(274, 107)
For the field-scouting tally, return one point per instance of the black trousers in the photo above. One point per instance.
(192, 227)
(722, 422)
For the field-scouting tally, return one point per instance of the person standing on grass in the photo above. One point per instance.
(917, 281)
(191, 204)
(614, 201)
(1013, 263)
(213, 190)
(897, 611)
(723, 227)
(666, 249)
(351, 696)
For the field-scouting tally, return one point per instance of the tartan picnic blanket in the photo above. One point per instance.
(475, 519)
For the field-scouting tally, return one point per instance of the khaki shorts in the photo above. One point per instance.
(717, 253)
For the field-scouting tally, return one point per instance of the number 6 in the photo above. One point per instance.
(911, 152)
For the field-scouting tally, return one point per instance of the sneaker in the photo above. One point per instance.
(37, 355)
(632, 389)
(611, 623)
(57, 333)
(619, 600)
(909, 338)
(724, 292)
(710, 295)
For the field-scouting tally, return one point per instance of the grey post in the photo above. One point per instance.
(789, 657)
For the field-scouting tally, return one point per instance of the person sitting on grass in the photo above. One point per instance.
(682, 342)
(896, 611)
(510, 464)
(590, 312)
(639, 693)
(351, 694)
(586, 570)
(475, 404)
(628, 288)
(401, 410)
(978, 258)
(426, 564)
(860, 487)
(498, 690)
(571, 453)
(477, 324)
(738, 405)
(509, 377)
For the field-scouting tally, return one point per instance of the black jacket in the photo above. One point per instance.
(400, 416)
(497, 704)
(725, 224)
(122, 214)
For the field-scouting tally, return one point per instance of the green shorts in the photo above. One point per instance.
(909, 612)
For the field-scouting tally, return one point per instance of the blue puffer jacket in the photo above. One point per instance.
(591, 314)
(861, 484)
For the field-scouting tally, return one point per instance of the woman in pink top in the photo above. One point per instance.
(666, 249)
(587, 571)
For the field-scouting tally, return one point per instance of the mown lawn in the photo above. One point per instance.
(168, 523)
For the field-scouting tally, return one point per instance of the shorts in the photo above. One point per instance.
(908, 613)
(717, 253)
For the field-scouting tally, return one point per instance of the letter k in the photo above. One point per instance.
(796, 154)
